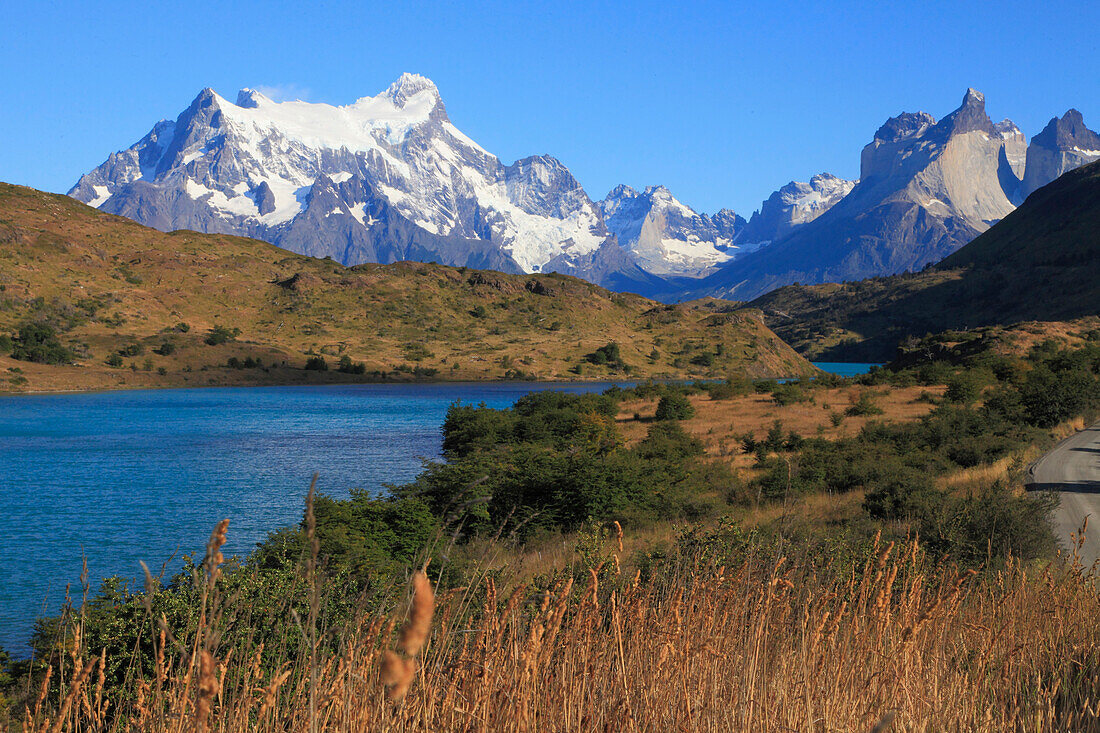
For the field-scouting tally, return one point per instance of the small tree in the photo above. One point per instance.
(674, 406)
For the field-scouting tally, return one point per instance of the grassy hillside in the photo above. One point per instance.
(117, 292)
(1040, 263)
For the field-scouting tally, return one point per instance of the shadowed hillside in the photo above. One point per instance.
(1041, 263)
(111, 303)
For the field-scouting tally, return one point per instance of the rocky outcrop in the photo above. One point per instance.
(1064, 144)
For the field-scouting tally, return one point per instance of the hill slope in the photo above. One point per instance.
(109, 285)
(1041, 262)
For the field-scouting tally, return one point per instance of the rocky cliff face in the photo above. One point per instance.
(793, 205)
(382, 179)
(667, 237)
(925, 189)
(1064, 144)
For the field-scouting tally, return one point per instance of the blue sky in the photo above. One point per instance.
(721, 102)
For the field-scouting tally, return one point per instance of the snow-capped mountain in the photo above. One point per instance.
(385, 178)
(791, 206)
(665, 236)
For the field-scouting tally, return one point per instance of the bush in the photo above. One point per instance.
(994, 523)
(608, 354)
(221, 334)
(165, 349)
(703, 359)
(789, 393)
(963, 388)
(114, 360)
(347, 366)
(674, 406)
(37, 342)
(6, 344)
(316, 364)
(131, 350)
(864, 405)
(732, 387)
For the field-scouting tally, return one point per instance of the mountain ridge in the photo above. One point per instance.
(926, 188)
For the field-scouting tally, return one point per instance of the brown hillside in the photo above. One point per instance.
(106, 283)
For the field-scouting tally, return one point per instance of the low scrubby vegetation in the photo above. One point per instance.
(933, 608)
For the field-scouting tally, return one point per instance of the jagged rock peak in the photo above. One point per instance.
(970, 116)
(905, 125)
(1007, 128)
(1067, 132)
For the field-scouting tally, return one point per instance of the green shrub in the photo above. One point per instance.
(674, 406)
(963, 388)
(221, 334)
(703, 359)
(114, 360)
(316, 364)
(166, 348)
(38, 342)
(789, 393)
(864, 405)
(347, 366)
(608, 354)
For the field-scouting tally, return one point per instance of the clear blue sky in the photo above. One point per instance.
(722, 102)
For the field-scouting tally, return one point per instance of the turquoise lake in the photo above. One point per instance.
(126, 476)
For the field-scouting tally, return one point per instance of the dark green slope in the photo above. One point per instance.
(1041, 262)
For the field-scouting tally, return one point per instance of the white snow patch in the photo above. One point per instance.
(340, 177)
(192, 156)
(359, 212)
(102, 193)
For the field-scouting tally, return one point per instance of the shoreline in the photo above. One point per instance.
(344, 383)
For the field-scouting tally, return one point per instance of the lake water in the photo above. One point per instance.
(844, 369)
(144, 475)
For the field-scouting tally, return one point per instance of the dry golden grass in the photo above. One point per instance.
(719, 424)
(766, 645)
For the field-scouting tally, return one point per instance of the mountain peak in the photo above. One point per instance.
(1067, 132)
(250, 98)
(409, 85)
(205, 96)
(1007, 128)
(969, 117)
(622, 191)
(973, 98)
